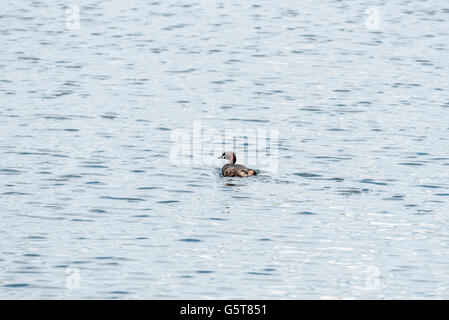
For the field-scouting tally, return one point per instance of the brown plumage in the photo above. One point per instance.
(234, 170)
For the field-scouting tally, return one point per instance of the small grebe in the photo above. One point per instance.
(234, 170)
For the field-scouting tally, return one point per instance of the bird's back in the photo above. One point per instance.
(237, 170)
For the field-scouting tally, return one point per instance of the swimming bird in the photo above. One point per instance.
(231, 169)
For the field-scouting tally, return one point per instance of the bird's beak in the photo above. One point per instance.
(220, 157)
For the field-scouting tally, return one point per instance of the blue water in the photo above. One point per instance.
(357, 207)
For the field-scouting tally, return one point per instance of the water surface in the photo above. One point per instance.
(358, 207)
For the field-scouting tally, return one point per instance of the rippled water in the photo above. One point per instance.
(358, 207)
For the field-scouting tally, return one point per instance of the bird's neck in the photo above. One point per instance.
(233, 159)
